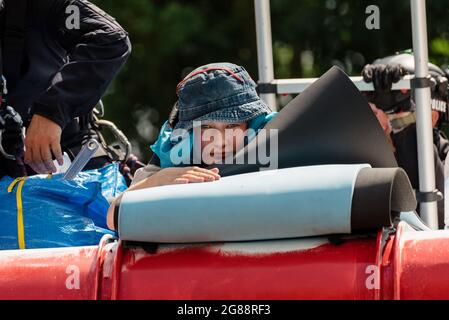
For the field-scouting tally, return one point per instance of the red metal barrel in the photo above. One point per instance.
(411, 265)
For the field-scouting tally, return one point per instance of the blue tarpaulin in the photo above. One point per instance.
(48, 212)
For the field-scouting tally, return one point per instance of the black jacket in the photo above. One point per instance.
(65, 71)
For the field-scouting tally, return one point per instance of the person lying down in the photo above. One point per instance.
(217, 113)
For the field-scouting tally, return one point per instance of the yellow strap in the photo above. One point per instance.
(13, 184)
(20, 227)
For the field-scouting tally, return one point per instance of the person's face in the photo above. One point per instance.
(220, 140)
(382, 118)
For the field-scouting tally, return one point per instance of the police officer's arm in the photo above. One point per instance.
(95, 51)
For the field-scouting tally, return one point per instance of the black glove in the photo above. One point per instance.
(12, 143)
(441, 88)
(383, 76)
(12, 134)
(441, 142)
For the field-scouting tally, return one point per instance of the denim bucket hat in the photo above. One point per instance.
(221, 92)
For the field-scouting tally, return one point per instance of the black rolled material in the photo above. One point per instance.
(117, 212)
(329, 123)
(380, 194)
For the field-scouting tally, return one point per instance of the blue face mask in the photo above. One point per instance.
(164, 147)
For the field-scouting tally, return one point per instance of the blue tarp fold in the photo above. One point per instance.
(58, 213)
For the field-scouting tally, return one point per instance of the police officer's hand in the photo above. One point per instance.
(383, 76)
(42, 142)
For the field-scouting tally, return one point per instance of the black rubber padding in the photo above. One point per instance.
(380, 194)
(117, 212)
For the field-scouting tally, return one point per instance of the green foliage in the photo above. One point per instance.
(170, 38)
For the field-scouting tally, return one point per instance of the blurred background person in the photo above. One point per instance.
(396, 112)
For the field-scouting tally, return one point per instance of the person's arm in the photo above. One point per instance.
(95, 53)
(145, 172)
(163, 177)
(441, 143)
(153, 166)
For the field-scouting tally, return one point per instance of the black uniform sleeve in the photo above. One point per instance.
(442, 144)
(95, 53)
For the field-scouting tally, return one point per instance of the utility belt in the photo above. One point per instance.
(92, 127)
(400, 121)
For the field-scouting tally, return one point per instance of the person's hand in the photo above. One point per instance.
(42, 142)
(169, 176)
